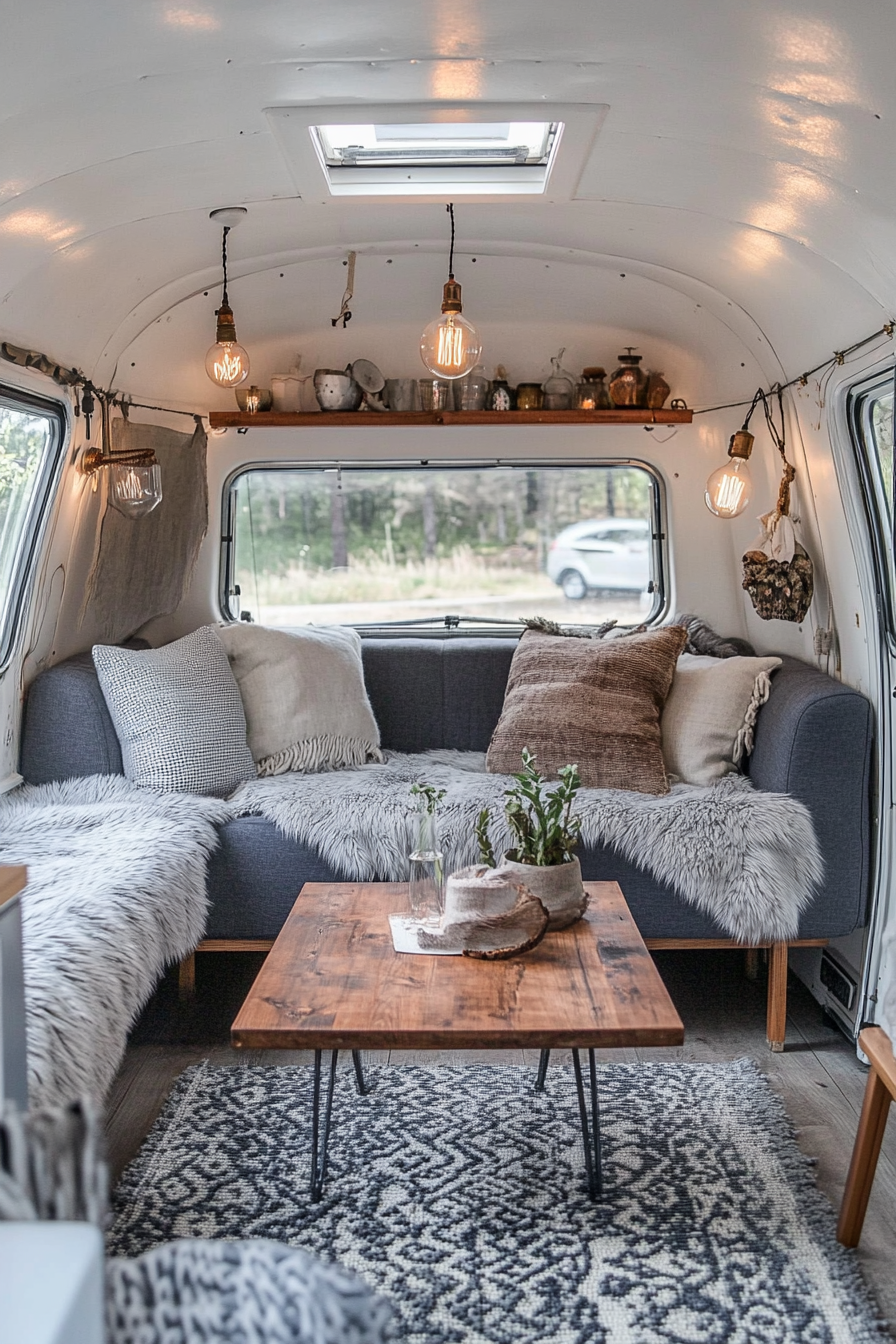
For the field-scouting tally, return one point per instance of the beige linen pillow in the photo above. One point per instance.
(304, 696)
(710, 714)
(591, 703)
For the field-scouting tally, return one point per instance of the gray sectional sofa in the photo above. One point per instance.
(814, 740)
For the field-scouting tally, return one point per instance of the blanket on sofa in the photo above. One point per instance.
(116, 890)
(747, 858)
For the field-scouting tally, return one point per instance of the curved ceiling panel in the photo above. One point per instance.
(746, 147)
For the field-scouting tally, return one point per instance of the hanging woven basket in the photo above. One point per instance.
(778, 573)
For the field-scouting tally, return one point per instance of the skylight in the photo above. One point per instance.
(413, 158)
(439, 150)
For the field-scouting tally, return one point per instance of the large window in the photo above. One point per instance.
(30, 440)
(373, 547)
(871, 423)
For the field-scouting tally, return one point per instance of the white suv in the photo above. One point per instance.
(609, 554)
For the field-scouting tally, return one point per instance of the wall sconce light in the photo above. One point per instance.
(227, 363)
(135, 477)
(450, 346)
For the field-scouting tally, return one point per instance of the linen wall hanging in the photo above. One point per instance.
(142, 569)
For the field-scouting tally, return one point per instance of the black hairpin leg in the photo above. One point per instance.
(359, 1073)
(590, 1133)
(542, 1070)
(320, 1133)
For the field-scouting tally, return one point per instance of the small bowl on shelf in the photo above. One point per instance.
(254, 399)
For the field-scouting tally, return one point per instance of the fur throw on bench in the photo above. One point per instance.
(747, 858)
(116, 890)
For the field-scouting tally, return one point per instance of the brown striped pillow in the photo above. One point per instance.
(592, 703)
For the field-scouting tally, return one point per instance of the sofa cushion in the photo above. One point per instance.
(304, 697)
(709, 717)
(178, 714)
(595, 703)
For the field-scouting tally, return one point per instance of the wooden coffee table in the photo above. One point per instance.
(332, 981)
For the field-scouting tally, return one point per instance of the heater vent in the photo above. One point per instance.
(837, 982)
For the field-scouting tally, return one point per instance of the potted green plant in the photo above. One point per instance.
(546, 834)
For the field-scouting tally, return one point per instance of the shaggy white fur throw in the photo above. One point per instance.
(748, 859)
(116, 890)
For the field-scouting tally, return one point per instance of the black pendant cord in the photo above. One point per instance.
(224, 262)
(450, 209)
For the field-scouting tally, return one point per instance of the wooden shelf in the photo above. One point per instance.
(421, 420)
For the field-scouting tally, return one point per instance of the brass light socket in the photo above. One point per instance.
(740, 444)
(451, 297)
(226, 330)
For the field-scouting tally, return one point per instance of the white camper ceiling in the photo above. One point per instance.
(742, 180)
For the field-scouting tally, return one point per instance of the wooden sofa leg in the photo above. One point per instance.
(776, 1018)
(870, 1135)
(186, 977)
(751, 963)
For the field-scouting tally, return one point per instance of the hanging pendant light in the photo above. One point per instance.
(227, 363)
(728, 489)
(450, 346)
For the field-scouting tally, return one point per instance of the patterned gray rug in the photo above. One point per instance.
(460, 1193)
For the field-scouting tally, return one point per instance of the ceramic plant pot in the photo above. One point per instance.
(559, 888)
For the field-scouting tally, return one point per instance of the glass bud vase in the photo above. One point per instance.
(426, 889)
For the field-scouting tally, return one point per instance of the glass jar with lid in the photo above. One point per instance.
(560, 388)
(628, 385)
(591, 393)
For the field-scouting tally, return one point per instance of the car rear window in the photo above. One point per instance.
(466, 546)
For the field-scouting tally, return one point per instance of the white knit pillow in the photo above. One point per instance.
(710, 713)
(304, 696)
(178, 714)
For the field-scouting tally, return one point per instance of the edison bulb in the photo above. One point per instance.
(450, 346)
(136, 489)
(728, 490)
(227, 364)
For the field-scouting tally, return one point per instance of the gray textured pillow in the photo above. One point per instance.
(178, 715)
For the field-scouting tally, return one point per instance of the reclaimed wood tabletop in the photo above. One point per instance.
(333, 981)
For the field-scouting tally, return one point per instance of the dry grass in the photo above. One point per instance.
(462, 575)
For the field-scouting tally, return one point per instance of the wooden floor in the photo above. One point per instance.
(818, 1075)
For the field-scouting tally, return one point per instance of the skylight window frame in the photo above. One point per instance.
(578, 124)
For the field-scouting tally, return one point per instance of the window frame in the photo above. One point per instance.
(657, 536)
(23, 573)
(880, 519)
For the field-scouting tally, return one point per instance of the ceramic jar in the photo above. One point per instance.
(628, 385)
(501, 397)
(559, 888)
(286, 389)
(337, 390)
(402, 395)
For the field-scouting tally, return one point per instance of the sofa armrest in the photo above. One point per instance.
(814, 740)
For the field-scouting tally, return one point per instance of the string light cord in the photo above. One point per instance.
(450, 209)
(838, 358)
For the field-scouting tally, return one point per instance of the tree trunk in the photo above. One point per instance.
(611, 495)
(430, 523)
(337, 524)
